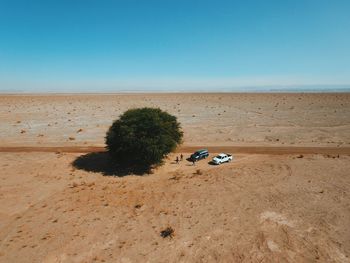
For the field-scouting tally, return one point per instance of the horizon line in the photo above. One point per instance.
(309, 88)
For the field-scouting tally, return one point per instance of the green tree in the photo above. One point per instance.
(142, 137)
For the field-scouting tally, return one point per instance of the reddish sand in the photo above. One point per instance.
(266, 207)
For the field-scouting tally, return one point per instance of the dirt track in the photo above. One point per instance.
(232, 149)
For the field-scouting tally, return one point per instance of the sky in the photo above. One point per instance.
(179, 45)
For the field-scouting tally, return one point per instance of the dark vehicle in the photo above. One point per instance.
(198, 155)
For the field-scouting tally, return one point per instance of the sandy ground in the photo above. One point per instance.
(258, 208)
(215, 119)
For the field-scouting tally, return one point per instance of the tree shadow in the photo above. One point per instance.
(101, 162)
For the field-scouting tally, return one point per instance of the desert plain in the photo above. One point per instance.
(267, 205)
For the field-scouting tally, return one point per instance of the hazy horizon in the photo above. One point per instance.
(261, 89)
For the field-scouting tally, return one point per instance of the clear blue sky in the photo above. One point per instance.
(103, 45)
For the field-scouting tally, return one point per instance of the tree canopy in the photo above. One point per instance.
(143, 136)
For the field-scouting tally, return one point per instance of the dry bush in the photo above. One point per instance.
(198, 172)
(168, 232)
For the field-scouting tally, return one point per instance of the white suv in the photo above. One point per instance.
(222, 158)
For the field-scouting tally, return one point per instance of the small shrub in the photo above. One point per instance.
(198, 172)
(168, 232)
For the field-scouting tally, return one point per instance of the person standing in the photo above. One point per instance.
(181, 157)
(177, 159)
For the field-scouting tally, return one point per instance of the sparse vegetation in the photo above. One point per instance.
(168, 232)
(143, 137)
(198, 172)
